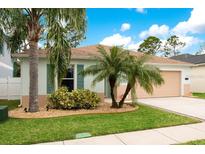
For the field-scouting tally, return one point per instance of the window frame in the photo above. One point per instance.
(73, 78)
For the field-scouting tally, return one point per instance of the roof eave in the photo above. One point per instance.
(92, 58)
(201, 64)
(163, 64)
(25, 56)
(43, 56)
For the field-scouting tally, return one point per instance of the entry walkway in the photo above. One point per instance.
(159, 136)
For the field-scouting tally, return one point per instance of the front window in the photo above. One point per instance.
(68, 81)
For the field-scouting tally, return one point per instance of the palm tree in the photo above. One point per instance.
(59, 29)
(117, 65)
(141, 74)
(111, 65)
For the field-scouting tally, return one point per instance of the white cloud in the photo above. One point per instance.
(125, 27)
(126, 41)
(116, 39)
(155, 30)
(140, 10)
(195, 23)
(163, 32)
(189, 40)
(134, 46)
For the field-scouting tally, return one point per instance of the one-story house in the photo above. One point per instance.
(197, 71)
(175, 73)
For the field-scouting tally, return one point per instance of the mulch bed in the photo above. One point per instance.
(102, 108)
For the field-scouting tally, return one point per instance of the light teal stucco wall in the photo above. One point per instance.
(42, 76)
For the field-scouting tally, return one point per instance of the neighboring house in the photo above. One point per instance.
(6, 66)
(198, 70)
(175, 73)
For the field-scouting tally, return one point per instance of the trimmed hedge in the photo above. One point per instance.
(77, 99)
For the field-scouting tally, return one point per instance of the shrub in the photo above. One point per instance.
(84, 99)
(77, 99)
(60, 99)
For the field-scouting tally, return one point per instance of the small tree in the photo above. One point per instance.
(143, 75)
(151, 45)
(201, 49)
(112, 64)
(117, 65)
(172, 46)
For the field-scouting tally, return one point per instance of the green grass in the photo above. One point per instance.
(12, 104)
(195, 142)
(28, 131)
(199, 95)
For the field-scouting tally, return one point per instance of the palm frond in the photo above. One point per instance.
(92, 70)
(65, 28)
(13, 28)
(149, 76)
(101, 76)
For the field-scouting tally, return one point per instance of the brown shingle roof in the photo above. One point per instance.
(90, 52)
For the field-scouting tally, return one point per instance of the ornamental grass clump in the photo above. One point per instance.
(77, 99)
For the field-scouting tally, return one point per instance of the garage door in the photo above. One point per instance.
(170, 88)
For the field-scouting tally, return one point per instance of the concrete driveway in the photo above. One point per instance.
(184, 105)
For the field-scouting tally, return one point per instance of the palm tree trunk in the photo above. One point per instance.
(112, 85)
(33, 71)
(128, 88)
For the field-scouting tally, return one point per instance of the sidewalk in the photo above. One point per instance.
(159, 136)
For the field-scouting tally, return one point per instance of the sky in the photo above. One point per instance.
(129, 27)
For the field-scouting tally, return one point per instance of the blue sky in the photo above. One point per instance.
(129, 27)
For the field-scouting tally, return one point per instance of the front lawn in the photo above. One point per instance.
(12, 104)
(28, 131)
(199, 95)
(196, 142)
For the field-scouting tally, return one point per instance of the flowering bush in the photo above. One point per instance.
(60, 99)
(84, 99)
(77, 99)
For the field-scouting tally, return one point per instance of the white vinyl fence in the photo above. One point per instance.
(10, 88)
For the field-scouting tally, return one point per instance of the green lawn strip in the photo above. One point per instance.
(199, 95)
(195, 142)
(28, 131)
(12, 104)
